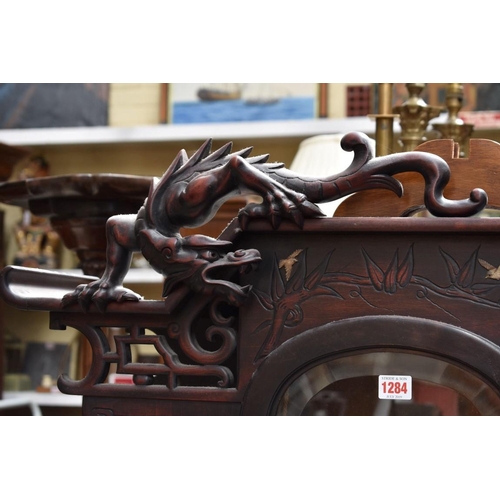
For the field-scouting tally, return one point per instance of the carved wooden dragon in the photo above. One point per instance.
(192, 190)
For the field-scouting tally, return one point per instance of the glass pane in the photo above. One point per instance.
(349, 386)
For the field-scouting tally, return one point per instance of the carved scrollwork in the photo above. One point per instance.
(179, 346)
(183, 331)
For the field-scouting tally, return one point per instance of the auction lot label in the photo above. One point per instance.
(394, 387)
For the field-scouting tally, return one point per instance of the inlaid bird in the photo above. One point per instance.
(493, 272)
(289, 262)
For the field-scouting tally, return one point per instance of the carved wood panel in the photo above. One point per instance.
(330, 276)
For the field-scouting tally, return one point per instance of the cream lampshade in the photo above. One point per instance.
(322, 156)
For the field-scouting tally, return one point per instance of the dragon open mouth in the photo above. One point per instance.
(245, 261)
(247, 268)
(216, 274)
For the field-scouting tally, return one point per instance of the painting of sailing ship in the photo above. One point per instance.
(234, 102)
(221, 92)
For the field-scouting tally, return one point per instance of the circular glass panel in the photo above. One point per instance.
(349, 386)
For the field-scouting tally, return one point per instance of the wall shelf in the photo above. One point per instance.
(44, 398)
(191, 132)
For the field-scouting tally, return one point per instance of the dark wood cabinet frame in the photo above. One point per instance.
(230, 343)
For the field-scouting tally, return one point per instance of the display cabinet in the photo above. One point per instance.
(288, 312)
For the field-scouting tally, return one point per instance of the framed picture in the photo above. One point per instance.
(236, 102)
(40, 105)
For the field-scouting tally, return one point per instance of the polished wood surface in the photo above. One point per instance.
(231, 338)
(480, 169)
(379, 283)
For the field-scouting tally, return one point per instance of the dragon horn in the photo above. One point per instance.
(244, 152)
(157, 184)
(202, 152)
(223, 151)
(259, 159)
(179, 160)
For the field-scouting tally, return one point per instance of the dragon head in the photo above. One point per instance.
(202, 263)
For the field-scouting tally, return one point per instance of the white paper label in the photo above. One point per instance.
(394, 387)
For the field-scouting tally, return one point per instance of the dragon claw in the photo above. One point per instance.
(277, 208)
(71, 298)
(98, 294)
(275, 219)
(297, 217)
(84, 303)
(105, 296)
(82, 295)
(311, 210)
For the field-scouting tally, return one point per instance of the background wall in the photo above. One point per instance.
(133, 104)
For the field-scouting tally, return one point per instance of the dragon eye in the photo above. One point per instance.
(167, 253)
(209, 255)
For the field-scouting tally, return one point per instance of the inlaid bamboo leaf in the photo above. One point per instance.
(263, 326)
(405, 271)
(277, 285)
(374, 272)
(296, 281)
(451, 263)
(466, 274)
(390, 285)
(314, 278)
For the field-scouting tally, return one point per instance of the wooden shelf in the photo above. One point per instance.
(175, 133)
(44, 398)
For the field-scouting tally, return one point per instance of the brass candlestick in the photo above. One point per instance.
(384, 125)
(414, 116)
(454, 127)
